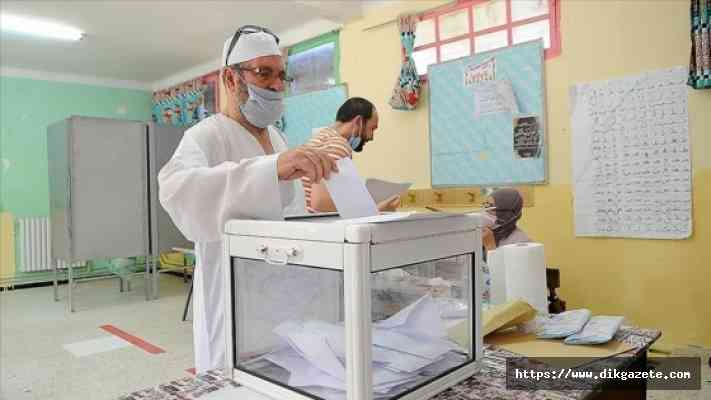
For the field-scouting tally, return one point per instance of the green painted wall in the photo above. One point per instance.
(27, 106)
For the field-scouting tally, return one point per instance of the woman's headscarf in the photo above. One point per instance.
(508, 204)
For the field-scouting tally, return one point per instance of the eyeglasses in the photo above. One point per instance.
(487, 204)
(266, 74)
(245, 30)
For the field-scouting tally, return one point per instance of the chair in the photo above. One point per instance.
(186, 266)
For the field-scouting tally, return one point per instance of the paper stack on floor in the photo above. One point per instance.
(408, 347)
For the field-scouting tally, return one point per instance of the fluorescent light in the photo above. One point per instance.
(32, 26)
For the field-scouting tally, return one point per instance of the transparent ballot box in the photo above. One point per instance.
(379, 308)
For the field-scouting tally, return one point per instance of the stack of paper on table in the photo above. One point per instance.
(408, 347)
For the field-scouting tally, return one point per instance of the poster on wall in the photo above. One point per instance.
(482, 72)
(527, 140)
(631, 156)
(188, 103)
(493, 97)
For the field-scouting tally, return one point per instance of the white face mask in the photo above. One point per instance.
(263, 107)
(488, 220)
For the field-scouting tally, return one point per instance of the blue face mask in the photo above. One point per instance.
(356, 142)
(264, 107)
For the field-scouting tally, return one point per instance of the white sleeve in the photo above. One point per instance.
(288, 190)
(200, 199)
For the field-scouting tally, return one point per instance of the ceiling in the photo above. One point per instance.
(147, 41)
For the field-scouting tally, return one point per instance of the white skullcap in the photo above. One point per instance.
(250, 46)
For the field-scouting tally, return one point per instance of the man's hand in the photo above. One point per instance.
(305, 161)
(389, 204)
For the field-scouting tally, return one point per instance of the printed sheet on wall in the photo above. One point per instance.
(631, 157)
(308, 111)
(487, 118)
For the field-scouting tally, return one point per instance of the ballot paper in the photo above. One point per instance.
(334, 333)
(408, 347)
(302, 372)
(421, 317)
(419, 347)
(399, 361)
(493, 97)
(315, 349)
(382, 190)
(349, 193)
(325, 369)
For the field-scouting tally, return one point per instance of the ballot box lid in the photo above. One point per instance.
(379, 229)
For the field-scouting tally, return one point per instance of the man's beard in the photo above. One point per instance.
(359, 148)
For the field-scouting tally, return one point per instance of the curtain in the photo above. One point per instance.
(182, 105)
(700, 62)
(407, 88)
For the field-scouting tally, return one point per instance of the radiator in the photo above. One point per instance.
(35, 242)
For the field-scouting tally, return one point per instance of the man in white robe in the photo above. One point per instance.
(234, 165)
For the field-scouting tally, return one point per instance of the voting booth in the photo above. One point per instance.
(384, 307)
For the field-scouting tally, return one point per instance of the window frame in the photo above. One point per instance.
(553, 16)
(306, 45)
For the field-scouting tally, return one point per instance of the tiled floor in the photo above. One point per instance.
(704, 393)
(34, 330)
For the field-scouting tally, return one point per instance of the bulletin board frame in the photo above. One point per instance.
(528, 63)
